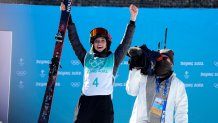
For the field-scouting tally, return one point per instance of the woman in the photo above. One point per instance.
(100, 67)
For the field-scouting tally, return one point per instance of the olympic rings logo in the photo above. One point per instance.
(97, 63)
(21, 73)
(75, 62)
(75, 84)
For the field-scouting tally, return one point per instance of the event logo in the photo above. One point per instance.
(215, 63)
(117, 84)
(21, 85)
(188, 85)
(76, 73)
(192, 63)
(21, 73)
(42, 74)
(206, 74)
(97, 63)
(215, 85)
(75, 84)
(186, 75)
(42, 61)
(21, 62)
(199, 85)
(75, 62)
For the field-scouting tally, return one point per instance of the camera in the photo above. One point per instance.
(142, 58)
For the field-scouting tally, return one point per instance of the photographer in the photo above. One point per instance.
(161, 96)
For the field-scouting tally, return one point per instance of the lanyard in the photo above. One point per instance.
(162, 119)
(158, 86)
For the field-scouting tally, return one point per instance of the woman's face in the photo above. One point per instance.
(100, 44)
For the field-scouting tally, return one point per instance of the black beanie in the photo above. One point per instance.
(169, 53)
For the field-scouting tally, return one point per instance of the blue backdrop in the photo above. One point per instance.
(192, 34)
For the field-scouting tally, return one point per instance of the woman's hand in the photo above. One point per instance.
(62, 7)
(133, 11)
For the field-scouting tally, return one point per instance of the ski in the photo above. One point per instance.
(54, 65)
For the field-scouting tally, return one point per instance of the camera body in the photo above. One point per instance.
(143, 58)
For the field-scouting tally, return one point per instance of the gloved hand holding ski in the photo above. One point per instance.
(54, 65)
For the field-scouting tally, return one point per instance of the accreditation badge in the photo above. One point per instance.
(157, 106)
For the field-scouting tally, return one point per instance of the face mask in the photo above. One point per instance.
(163, 66)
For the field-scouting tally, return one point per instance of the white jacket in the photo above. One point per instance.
(177, 102)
